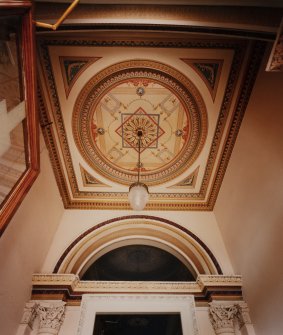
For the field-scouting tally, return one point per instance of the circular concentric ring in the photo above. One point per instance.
(145, 94)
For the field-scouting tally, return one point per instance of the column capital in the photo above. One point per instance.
(222, 317)
(51, 316)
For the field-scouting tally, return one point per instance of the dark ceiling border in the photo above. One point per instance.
(214, 31)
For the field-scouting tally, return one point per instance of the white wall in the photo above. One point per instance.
(75, 222)
(24, 245)
(249, 208)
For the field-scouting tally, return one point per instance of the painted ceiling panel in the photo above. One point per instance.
(187, 95)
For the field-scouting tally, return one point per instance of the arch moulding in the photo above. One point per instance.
(138, 229)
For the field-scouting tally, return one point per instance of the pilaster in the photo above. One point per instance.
(245, 323)
(29, 314)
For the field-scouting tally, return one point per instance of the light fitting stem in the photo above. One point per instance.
(139, 161)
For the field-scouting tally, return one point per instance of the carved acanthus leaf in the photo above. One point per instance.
(51, 315)
(222, 316)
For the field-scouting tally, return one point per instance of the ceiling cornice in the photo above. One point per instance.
(183, 18)
(255, 3)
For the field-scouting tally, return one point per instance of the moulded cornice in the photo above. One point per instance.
(46, 286)
(212, 280)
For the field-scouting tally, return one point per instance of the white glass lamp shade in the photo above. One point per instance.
(138, 196)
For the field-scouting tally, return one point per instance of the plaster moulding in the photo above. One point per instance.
(67, 135)
(148, 229)
(71, 289)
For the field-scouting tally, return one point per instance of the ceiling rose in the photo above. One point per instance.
(145, 95)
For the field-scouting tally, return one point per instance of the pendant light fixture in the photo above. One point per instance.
(138, 192)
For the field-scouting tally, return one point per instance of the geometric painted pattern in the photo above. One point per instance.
(140, 120)
(174, 124)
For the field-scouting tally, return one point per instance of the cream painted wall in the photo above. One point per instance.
(24, 245)
(249, 208)
(75, 222)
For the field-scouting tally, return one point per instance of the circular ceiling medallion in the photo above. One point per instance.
(139, 95)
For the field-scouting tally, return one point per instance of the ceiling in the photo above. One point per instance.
(186, 91)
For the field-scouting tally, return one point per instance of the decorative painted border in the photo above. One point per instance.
(256, 54)
(159, 201)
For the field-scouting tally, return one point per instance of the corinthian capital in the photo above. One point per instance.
(222, 318)
(51, 316)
